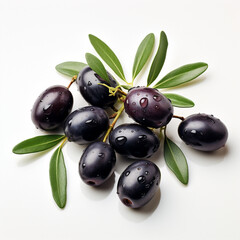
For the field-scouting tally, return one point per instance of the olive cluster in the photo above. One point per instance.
(88, 125)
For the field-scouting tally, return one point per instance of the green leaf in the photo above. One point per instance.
(96, 65)
(182, 75)
(179, 101)
(70, 68)
(37, 144)
(176, 160)
(143, 53)
(107, 55)
(127, 87)
(159, 59)
(58, 178)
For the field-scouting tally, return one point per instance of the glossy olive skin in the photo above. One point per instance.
(148, 107)
(138, 183)
(203, 132)
(97, 163)
(94, 93)
(52, 107)
(86, 125)
(134, 141)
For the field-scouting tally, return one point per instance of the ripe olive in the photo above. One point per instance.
(148, 107)
(93, 92)
(86, 125)
(203, 132)
(134, 141)
(138, 183)
(52, 107)
(97, 163)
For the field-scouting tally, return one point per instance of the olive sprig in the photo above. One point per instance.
(174, 157)
(175, 78)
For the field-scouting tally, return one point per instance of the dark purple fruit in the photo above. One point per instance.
(138, 183)
(203, 132)
(86, 125)
(94, 93)
(134, 141)
(97, 163)
(148, 107)
(52, 107)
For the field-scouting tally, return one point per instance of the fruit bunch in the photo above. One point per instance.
(90, 125)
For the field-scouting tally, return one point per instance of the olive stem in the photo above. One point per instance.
(164, 131)
(122, 99)
(113, 123)
(72, 81)
(113, 115)
(113, 90)
(161, 134)
(122, 92)
(63, 142)
(179, 117)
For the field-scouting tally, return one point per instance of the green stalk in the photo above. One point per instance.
(113, 123)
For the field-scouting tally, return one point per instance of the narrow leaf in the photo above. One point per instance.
(179, 101)
(96, 65)
(182, 75)
(176, 160)
(127, 87)
(159, 59)
(70, 68)
(107, 55)
(37, 144)
(58, 178)
(143, 53)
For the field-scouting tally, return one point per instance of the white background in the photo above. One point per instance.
(37, 35)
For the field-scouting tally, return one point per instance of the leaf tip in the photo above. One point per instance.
(163, 34)
(151, 35)
(57, 67)
(17, 150)
(62, 205)
(185, 181)
(205, 65)
(91, 36)
(14, 150)
(87, 55)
